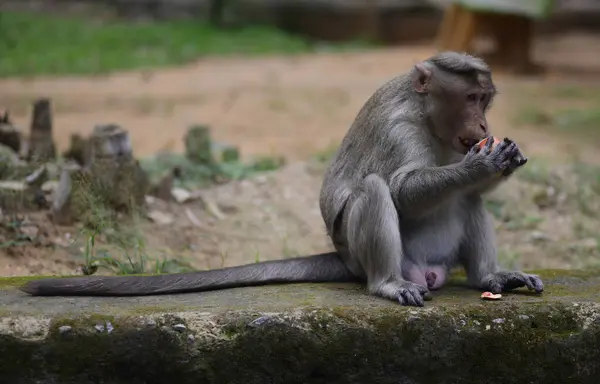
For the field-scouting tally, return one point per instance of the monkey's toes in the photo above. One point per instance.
(536, 283)
(506, 281)
(411, 294)
(409, 298)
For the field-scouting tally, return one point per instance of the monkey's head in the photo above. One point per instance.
(456, 91)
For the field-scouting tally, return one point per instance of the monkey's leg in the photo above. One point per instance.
(373, 235)
(479, 257)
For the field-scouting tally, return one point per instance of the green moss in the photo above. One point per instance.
(577, 273)
(457, 338)
(17, 281)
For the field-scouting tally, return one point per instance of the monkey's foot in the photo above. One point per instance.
(506, 281)
(406, 292)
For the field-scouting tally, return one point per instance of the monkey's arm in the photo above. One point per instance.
(488, 186)
(478, 255)
(417, 189)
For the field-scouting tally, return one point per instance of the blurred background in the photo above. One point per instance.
(282, 80)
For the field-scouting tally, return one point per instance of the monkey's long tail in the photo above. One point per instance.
(325, 267)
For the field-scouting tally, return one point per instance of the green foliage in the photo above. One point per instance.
(43, 44)
(12, 237)
(124, 250)
(199, 175)
(570, 109)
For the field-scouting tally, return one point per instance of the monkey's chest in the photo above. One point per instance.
(433, 240)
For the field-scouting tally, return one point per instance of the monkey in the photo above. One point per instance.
(401, 199)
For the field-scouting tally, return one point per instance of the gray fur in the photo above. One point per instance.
(401, 202)
(401, 199)
(324, 267)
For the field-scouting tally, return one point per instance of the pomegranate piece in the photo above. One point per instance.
(490, 296)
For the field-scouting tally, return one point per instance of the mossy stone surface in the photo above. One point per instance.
(305, 333)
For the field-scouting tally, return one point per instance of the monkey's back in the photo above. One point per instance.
(377, 142)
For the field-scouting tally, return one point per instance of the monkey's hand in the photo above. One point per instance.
(518, 161)
(406, 292)
(505, 281)
(491, 161)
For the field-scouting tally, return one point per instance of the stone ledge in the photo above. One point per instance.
(305, 333)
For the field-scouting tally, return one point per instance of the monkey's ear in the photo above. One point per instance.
(421, 79)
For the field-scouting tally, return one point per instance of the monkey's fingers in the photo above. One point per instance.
(408, 297)
(496, 288)
(489, 144)
(532, 282)
(506, 150)
(536, 283)
(412, 294)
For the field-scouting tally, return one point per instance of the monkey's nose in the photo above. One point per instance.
(483, 127)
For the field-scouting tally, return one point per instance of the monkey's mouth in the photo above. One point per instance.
(468, 142)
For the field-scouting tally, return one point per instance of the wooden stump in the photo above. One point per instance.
(512, 34)
(198, 145)
(41, 143)
(10, 135)
(111, 181)
(69, 201)
(116, 175)
(78, 150)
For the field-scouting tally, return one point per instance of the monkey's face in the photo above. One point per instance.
(458, 104)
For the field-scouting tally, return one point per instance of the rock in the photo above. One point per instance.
(181, 195)
(537, 236)
(160, 218)
(64, 329)
(306, 333)
(30, 231)
(37, 178)
(163, 189)
(15, 197)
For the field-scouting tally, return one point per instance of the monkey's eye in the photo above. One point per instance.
(472, 97)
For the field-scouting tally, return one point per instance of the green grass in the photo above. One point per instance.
(196, 175)
(564, 109)
(36, 44)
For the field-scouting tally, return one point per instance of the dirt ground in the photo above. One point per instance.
(286, 106)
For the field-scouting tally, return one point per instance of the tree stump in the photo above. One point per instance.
(41, 143)
(163, 189)
(8, 161)
(198, 145)
(78, 150)
(111, 181)
(13, 168)
(69, 202)
(116, 175)
(9, 134)
(510, 25)
(18, 196)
